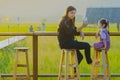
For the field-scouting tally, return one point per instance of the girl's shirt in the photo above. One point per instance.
(104, 35)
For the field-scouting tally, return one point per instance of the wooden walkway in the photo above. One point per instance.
(10, 41)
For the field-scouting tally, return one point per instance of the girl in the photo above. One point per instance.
(66, 33)
(104, 36)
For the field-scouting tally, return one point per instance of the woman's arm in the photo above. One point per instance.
(81, 27)
(68, 30)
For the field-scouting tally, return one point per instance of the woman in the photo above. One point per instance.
(66, 33)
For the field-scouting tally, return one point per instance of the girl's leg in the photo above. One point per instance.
(97, 52)
(97, 56)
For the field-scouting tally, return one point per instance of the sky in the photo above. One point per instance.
(47, 9)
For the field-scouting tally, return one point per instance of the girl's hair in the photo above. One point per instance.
(105, 22)
(69, 8)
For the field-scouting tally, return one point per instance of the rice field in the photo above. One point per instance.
(49, 51)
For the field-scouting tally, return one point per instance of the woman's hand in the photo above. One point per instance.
(82, 35)
(84, 24)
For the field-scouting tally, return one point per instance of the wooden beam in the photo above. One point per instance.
(56, 75)
(16, 33)
(35, 57)
(86, 33)
(47, 33)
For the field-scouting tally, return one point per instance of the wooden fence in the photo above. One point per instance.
(35, 35)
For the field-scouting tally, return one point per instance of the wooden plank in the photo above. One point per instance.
(9, 41)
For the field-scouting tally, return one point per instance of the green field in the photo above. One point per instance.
(49, 51)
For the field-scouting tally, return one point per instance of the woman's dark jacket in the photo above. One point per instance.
(66, 33)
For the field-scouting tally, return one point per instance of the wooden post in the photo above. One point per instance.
(35, 57)
(118, 27)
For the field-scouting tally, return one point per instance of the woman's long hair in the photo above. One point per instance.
(70, 8)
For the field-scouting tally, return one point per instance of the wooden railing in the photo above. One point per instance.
(35, 35)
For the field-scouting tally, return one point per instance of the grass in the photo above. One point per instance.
(49, 51)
